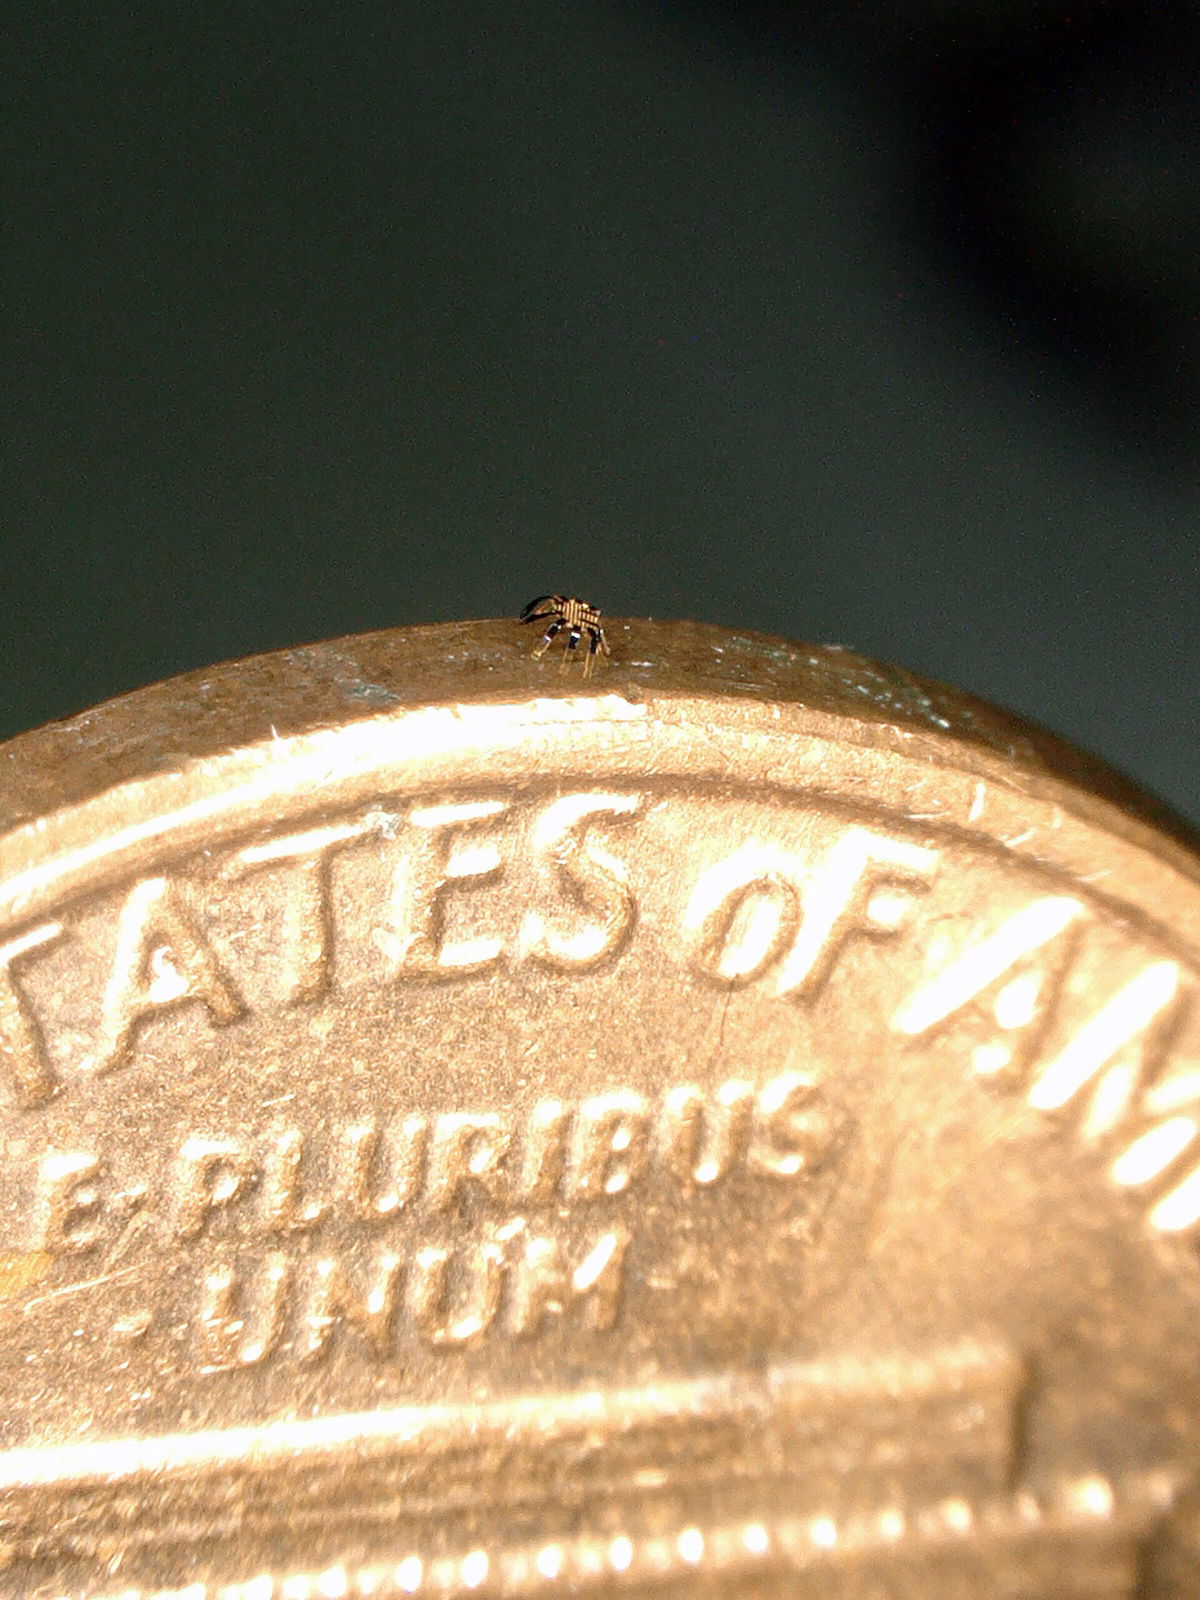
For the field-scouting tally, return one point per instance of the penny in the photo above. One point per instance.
(726, 1126)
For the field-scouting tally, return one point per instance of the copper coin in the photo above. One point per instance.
(726, 1126)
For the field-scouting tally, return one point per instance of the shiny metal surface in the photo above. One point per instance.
(729, 1126)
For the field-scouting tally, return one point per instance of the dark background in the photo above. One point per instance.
(873, 323)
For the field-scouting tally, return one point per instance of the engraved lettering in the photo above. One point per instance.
(599, 1277)
(231, 1337)
(544, 1285)
(212, 1174)
(609, 1146)
(751, 926)
(793, 1130)
(454, 1296)
(22, 1048)
(545, 1151)
(1012, 979)
(335, 1300)
(403, 1161)
(1154, 1151)
(467, 1148)
(765, 909)
(1115, 1051)
(415, 940)
(162, 959)
(70, 1203)
(862, 886)
(593, 878)
(285, 1209)
(308, 918)
(702, 1136)
(447, 1296)
(289, 1182)
(1180, 1208)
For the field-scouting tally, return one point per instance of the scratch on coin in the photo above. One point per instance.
(721, 1029)
(977, 802)
(78, 1288)
(719, 1048)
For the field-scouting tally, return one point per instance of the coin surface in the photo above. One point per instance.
(727, 1127)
